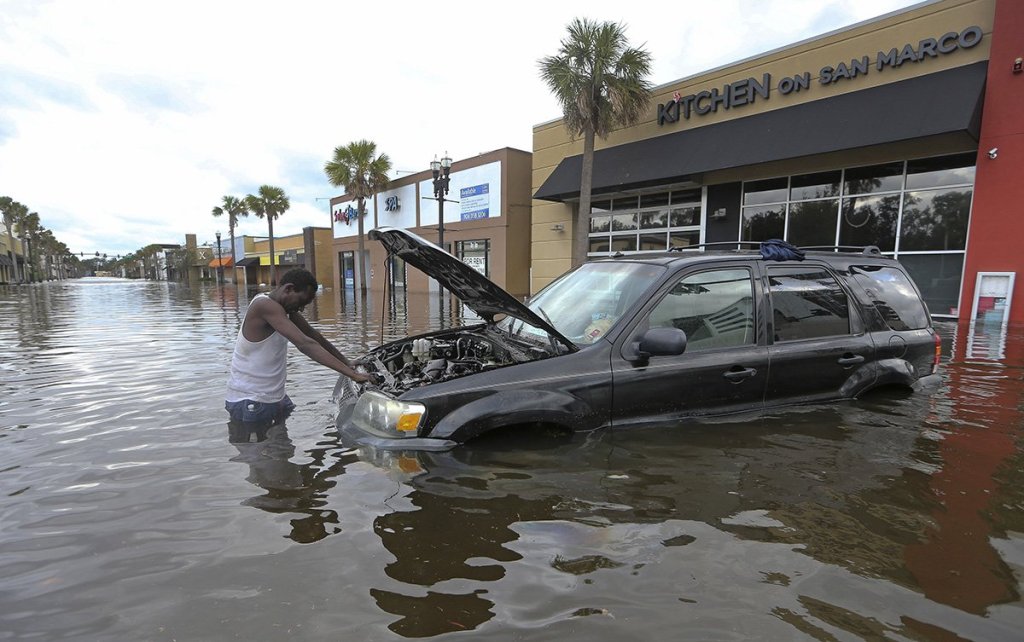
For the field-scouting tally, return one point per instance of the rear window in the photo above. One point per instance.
(807, 303)
(894, 296)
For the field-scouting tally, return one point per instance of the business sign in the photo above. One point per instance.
(478, 263)
(474, 202)
(750, 90)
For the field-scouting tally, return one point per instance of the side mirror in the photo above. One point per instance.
(658, 342)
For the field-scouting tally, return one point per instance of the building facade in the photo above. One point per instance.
(486, 224)
(310, 250)
(898, 132)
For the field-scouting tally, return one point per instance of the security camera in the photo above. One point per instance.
(992, 153)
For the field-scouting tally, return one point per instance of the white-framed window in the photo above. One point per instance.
(915, 210)
(642, 223)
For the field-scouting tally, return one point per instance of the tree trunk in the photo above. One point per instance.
(231, 231)
(581, 228)
(10, 252)
(270, 227)
(360, 261)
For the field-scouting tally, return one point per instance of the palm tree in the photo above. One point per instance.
(601, 83)
(362, 174)
(28, 225)
(12, 211)
(234, 208)
(270, 203)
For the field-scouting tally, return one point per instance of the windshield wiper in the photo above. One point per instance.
(551, 338)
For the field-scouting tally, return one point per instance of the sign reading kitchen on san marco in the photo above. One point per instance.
(750, 90)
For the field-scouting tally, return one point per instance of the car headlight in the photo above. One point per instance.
(382, 415)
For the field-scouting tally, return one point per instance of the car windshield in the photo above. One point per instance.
(584, 304)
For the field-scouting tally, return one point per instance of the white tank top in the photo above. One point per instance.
(258, 369)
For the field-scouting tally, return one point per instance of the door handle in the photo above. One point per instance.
(737, 373)
(850, 359)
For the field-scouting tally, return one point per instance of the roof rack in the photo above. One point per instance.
(697, 246)
(873, 250)
(863, 249)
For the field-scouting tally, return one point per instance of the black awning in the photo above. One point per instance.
(246, 262)
(5, 260)
(941, 103)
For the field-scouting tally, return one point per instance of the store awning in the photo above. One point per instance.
(5, 260)
(223, 262)
(248, 261)
(944, 102)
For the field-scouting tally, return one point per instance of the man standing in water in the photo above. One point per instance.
(255, 396)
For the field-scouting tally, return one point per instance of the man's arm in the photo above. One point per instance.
(301, 323)
(275, 315)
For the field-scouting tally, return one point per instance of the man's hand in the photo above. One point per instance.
(368, 377)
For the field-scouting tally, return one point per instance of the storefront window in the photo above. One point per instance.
(475, 254)
(874, 179)
(912, 210)
(646, 223)
(762, 223)
(624, 222)
(870, 220)
(813, 222)
(772, 190)
(624, 243)
(813, 186)
(942, 171)
(935, 220)
(938, 278)
(654, 220)
(685, 216)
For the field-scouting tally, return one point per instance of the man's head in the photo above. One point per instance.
(296, 289)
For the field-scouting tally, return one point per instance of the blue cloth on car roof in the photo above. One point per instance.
(778, 250)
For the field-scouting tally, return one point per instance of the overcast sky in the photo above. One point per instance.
(123, 123)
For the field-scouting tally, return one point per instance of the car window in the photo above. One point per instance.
(893, 295)
(584, 304)
(714, 308)
(807, 302)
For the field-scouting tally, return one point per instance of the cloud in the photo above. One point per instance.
(24, 89)
(151, 94)
(123, 123)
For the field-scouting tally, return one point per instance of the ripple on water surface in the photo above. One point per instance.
(128, 514)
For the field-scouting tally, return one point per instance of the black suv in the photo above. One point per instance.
(639, 339)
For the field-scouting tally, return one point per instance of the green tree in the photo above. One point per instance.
(361, 173)
(28, 226)
(269, 202)
(12, 212)
(234, 208)
(601, 83)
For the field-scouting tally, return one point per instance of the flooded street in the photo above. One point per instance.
(125, 512)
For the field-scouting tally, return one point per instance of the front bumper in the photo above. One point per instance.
(356, 437)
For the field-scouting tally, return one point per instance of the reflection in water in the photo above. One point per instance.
(127, 514)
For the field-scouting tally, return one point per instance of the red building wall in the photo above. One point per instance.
(996, 241)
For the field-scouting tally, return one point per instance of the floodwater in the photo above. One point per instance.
(125, 512)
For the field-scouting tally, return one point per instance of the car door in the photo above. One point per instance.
(818, 347)
(725, 365)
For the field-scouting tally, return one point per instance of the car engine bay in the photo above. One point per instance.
(414, 362)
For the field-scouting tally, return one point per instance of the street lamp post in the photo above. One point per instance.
(441, 169)
(220, 263)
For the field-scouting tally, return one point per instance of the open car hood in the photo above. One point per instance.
(480, 294)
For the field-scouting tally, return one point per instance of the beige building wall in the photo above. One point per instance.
(509, 233)
(552, 143)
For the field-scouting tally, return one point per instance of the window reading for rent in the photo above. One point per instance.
(807, 303)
